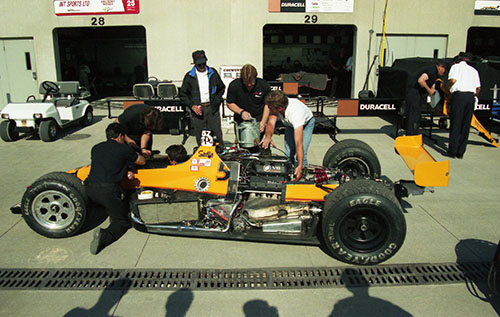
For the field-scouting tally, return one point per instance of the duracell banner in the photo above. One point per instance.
(332, 6)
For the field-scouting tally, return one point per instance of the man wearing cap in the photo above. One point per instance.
(462, 87)
(421, 85)
(202, 91)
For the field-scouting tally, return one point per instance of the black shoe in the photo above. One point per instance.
(460, 156)
(97, 244)
(449, 155)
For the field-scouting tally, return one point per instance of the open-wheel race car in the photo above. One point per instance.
(63, 104)
(343, 205)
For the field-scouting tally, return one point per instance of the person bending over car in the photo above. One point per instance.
(299, 125)
(140, 121)
(109, 165)
(176, 154)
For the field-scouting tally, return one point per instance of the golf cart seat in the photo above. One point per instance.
(167, 90)
(143, 91)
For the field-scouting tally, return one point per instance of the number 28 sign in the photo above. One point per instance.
(90, 7)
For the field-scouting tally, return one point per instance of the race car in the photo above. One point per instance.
(343, 205)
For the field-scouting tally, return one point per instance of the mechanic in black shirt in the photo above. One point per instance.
(420, 86)
(245, 97)
(139, 121)
(109, 165)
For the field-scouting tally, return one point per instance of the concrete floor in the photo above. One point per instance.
(458, 222)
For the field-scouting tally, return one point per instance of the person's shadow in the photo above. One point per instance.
(469, 251)
(178, 303)
(260, 308)
(361, 303)
(111, 295)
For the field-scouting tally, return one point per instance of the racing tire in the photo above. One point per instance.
(8, 131)
(362, 223)
(354, 157)
(55, 205)
(48, 130)
(88, 117)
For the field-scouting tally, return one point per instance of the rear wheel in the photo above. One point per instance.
(88, 117)
(363, 223)
(47, 130)
(354, 157)
(55, 205)
(8, 131)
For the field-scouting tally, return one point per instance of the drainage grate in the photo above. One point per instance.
(213, 279)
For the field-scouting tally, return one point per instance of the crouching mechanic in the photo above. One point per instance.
(299, 125)
(109, 165)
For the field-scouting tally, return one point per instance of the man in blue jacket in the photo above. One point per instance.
(201, 91)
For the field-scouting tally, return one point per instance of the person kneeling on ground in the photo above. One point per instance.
(109, 162)
(176, 154)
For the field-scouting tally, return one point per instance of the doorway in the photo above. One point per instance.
(310, 49)
(106, 60)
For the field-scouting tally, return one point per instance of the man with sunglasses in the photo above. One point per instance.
(201, 91)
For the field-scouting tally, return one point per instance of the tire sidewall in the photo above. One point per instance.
(45, 130)
(76, 198)
(333, 159)
(385, 210)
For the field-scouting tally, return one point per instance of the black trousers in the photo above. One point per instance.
(413, 110)
(207, 121)
(461, 110)
(110, 197)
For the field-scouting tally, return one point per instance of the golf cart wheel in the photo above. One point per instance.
(354, 157)
(47, 130)
(55, 205)
(362, 223)
(88, 117)
(8, 131)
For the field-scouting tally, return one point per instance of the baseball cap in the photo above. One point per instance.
(199, 57)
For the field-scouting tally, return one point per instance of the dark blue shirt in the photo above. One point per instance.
(110, 160)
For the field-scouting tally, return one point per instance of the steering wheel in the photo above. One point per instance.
(50, 87)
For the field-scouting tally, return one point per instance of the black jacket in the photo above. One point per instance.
(190, 91)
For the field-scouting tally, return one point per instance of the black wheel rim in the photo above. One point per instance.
(52, 130)
(363, 230)
(354, 167)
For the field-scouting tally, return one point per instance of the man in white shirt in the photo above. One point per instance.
(299, 125)
(463, 85)
(201, 91)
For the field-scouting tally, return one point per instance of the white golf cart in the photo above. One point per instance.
(62, 104)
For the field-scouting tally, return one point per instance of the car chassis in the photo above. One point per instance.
(343, 205)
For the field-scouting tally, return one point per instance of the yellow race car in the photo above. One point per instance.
(343, 204)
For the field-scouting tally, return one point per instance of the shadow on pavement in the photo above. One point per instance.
(361, 303)
(110, 297)
(474, 250)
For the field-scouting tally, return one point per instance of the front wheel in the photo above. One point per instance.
(363, 223)
(55, 205)
(47, 130)
(8, 131)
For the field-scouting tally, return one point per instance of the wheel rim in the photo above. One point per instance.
(88, 117)
(52, 130)
(354, 167)
(53, 209)
(363, 230)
